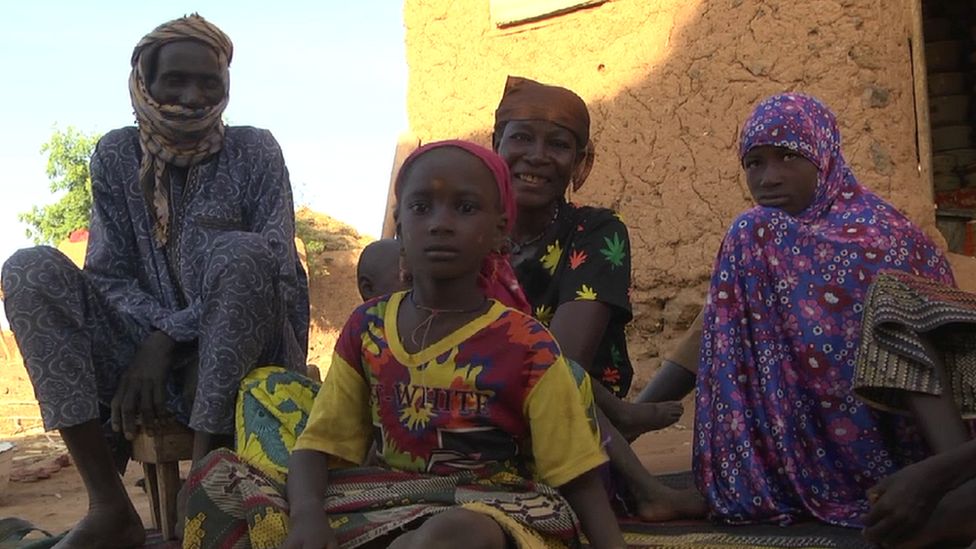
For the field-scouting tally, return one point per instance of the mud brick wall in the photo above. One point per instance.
(668, 83)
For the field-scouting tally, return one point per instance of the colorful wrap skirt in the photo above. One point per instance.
(237, 499)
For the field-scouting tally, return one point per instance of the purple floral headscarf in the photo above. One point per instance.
(804, 125)
(779, 436)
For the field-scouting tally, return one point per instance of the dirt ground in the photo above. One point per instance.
(57, 502)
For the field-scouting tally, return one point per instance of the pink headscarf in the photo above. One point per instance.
(497, 278)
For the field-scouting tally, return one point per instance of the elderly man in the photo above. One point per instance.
(191, 278)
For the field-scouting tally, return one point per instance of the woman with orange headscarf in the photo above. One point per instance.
(574, 266)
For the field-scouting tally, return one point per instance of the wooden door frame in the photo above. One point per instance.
(920, 83)
(406, 144)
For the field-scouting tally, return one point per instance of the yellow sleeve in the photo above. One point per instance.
(339, 424)
(562, 421)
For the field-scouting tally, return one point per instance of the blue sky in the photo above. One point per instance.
(327, 77)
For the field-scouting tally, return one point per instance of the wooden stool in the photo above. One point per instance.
(160, 455)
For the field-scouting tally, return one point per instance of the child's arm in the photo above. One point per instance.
(588, 499)
(308, 525)
(338, 427)
(566, 446)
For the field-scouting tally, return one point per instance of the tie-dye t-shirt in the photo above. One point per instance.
(495, 393)
(586, 258)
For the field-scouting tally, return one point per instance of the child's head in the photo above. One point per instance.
(379, 271)
(453, 208)
(790, 150)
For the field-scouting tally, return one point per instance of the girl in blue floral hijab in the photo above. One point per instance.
(779, 435)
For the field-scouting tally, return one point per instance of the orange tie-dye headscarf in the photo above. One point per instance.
(526, 99)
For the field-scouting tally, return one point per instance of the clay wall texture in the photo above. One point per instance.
(668, 84)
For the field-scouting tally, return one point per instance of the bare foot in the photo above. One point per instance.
(670, 504)
(643, 417)
(106, 528)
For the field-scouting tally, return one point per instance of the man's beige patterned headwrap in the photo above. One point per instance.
(174, 134)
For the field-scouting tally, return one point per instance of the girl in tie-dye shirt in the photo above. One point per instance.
(482, 430)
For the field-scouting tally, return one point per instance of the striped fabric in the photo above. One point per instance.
(910, 324)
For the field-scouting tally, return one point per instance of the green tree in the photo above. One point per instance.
(68, 153)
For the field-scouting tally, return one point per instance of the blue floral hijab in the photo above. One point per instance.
(779, 435)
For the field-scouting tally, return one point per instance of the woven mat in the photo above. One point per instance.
(153, 541)
(706, 535)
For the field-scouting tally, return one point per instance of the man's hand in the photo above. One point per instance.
(142, 389)
(902, 503)
(308, 528)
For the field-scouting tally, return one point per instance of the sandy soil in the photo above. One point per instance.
(56, 503)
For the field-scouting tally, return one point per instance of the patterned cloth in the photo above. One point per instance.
(234, 505)
(175, 135)
(586, 258)
(904, 318)
(273, 404)
(779, 434)
(465, 422)
(228, 283)
(496, 277)
(496, 392)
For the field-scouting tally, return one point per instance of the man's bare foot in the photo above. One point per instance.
(644, 417)
(670, 504)
(106, 528)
